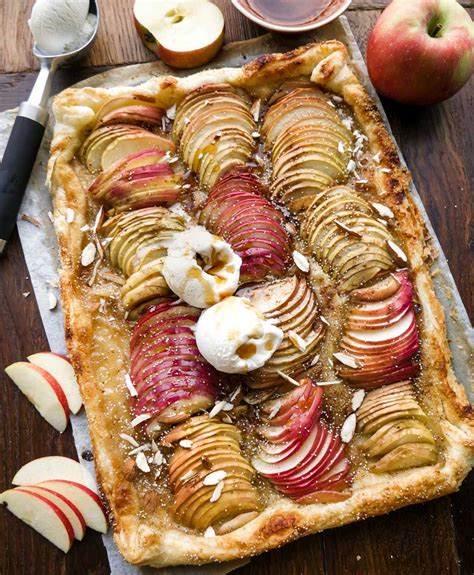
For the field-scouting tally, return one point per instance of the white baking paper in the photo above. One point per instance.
(41, 254)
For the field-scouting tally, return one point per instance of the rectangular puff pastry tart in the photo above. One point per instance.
(249, 308)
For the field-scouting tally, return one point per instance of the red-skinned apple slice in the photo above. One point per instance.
(42, 514)
(44, 392)
(54, 467)
(61, 369)
(86, 500)
(67, 507)
(130, 144)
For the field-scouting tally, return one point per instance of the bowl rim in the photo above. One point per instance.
(282, 28)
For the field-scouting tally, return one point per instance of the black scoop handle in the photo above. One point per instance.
(15, 170)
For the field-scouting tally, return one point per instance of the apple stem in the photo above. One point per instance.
(437, 29)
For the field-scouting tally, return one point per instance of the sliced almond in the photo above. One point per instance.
(348, 428)
(186, 443)
(397, 251)
(99, 218)
(324, 320)
(129, 439)
(357, 399)
(214, 477)
(347, 229)
(142, 463)
(52, 301)
(88, 254)
(297, 340)
(171, 112)
(217, 492)
(255, 109)
(140, 419)
(351, 166)
(274, 411)
(301, 261)
(131, 388)
(315, 360)
(383, 210)
(188, 475)
(288, 378)
(346, 359)
(330, 382)
(218, 407)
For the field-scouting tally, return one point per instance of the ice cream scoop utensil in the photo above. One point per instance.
(27, 132)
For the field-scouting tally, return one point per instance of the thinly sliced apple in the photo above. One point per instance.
(54, 467)
(40, 513)
(126, 145)
(67, 507)
(44, 392)
(86, 500)
(61, 369)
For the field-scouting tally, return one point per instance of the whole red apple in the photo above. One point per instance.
(421, 51)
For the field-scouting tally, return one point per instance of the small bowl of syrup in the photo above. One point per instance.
(291, 15)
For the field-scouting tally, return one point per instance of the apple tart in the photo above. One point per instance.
(249, 308)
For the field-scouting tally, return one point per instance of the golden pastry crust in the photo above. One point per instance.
(149, 538)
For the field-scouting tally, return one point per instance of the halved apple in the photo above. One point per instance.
(236, 210)
(54, 467)
(44, 392)
(209, 477)
(184, 33)
(42, 514)
(291, 304)
(62, 371)
(214, 128)
(87, 501)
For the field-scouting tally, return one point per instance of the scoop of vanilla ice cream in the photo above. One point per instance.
(235, 337)
(58, 25)
(201, 268)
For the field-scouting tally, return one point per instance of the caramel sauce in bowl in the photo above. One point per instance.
(291, 15)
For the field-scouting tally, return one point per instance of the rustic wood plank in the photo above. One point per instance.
(421, 539)
(24, 435)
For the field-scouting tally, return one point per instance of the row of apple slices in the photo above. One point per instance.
(236, 210)
(396, 426)
(214, 129)
(310, 146)
(301, 456)
(350, 241)
(380, 340)
(291, 305)
(171, 377)
(130, 109)
(138, 245)
(209, 476)
(58, 498)
(48, 381)
(140, 176)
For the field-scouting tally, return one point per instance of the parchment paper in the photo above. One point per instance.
(41, 254)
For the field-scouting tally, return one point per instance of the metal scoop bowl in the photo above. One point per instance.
(28, 129)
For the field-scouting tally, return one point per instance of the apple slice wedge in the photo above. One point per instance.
(62, 371)
(54, 467)
(40, 513)
(67, 507)
(44, 392)
(86, 501)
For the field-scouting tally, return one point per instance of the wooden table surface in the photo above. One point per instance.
(433, 539)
